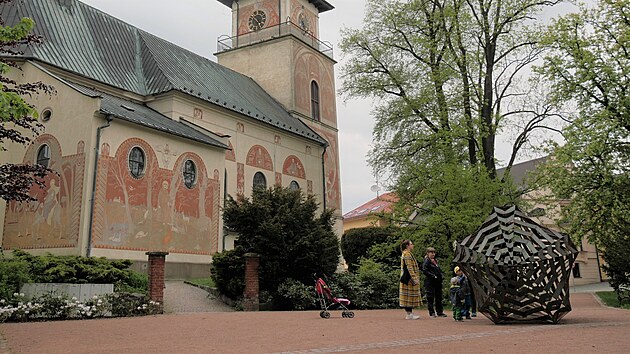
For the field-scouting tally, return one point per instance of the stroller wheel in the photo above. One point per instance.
(321, 314)
(350, 314)
(326, 314)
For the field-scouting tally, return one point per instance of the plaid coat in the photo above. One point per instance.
(409, 294)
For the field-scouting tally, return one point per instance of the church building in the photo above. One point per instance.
(148, 139)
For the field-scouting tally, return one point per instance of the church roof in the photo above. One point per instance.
(321, 5)
(140, 114)
(91, 43)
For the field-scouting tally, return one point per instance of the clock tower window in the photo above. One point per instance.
(315, 100)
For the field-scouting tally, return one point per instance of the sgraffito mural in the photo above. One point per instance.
(303, 18)
(309, 67)
(331, 167)
(258, 156)
(240, 178)
(156, 211)
(230, 154)
(53, 219)
(293, 167)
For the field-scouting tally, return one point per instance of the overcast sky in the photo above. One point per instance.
(196, 25)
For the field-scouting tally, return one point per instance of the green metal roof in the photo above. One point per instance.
(89, 42)
(140, 114)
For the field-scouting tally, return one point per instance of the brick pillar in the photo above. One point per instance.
(156, 277)
(250, 296)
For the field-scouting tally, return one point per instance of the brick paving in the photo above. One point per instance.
(590, 327)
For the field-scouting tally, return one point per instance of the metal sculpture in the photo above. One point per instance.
(519, 270)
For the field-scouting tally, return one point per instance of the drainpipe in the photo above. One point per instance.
(238, 8)
(279, 17)
(324, 177)
(92, 203)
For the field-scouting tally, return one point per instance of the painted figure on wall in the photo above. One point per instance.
(52, 220)
(151, 208)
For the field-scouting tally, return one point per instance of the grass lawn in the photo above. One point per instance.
(202, 281)
(610, 299)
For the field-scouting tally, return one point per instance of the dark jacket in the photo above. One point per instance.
(464, 284)
(432, 273)
(456, 295)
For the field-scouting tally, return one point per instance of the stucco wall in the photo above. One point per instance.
(54, 220)
(157, 211)
(256, 148)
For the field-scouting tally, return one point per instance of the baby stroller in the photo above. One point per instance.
(328, 302)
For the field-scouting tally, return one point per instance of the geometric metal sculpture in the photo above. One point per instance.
(519, 270)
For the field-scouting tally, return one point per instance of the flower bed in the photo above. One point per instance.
(51, 306)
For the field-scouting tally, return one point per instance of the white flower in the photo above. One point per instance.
(22, 294)
(16, 294)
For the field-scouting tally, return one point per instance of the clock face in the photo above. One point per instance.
(257, 20)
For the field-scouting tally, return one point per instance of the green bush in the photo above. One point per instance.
(131, 304)
(380, 284)
(281, 226)
(617, 266)
(13, 274)
(293, 295)
(355, 243)
(51, 268)
(51, 306)
(228, 273)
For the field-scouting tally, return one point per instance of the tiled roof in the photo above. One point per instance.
(321, 5)
(380, 204)
(91, 43)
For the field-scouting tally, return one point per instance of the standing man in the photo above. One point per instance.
(433, 284)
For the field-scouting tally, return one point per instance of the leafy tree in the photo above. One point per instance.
(446, 74)
(447, 77)
(355, 243)
(281, 226)
(589, 71)
(16, 115)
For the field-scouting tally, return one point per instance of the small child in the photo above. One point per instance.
(466, 292)
(457, 299)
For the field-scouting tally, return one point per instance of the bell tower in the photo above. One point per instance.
(276, 43)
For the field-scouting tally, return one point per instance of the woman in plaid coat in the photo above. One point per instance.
(409, 294)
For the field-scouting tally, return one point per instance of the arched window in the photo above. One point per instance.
(136, 162)
(43, 155)
(259, 180)
(190, 174)
(315, 100)
(294, 186)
